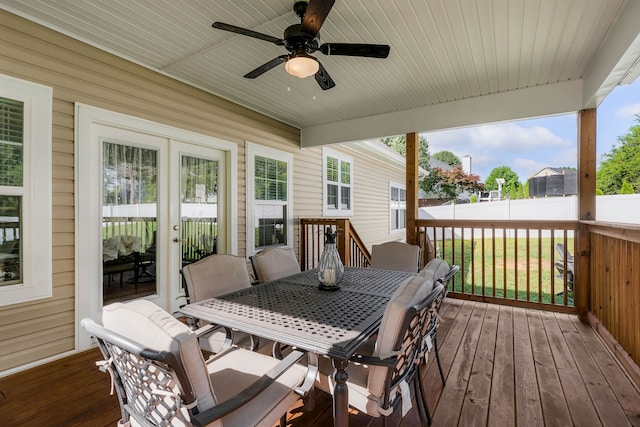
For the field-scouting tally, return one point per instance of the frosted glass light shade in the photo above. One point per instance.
(302, 65)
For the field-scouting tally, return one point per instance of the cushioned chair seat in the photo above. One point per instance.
(228, 381)
(213, 276)
(368, 385)
(227, 373)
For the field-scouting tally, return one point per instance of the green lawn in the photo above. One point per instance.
(511, 262)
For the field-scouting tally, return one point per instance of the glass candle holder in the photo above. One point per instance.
(330, 268)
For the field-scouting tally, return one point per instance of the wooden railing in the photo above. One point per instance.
(198, 234)
(615, 284)
(350, 246)
(507, 262)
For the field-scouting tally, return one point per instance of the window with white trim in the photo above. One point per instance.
(25, 191)
(269, 198)
(337, 183)
(397, 207)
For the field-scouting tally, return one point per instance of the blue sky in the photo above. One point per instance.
(527, 146)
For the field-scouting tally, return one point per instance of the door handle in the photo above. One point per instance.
(178, 240)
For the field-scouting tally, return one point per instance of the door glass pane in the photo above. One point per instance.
(129, 221)
(198, 207)
(10, 253)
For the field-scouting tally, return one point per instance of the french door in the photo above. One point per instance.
(150, 200)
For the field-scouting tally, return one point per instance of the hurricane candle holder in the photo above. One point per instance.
(330, 269)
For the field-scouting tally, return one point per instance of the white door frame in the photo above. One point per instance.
(88, 147)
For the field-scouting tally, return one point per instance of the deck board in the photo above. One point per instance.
(501, 404)
(504, 366)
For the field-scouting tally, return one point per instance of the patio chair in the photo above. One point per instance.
(559, 265)
(435, 269)
(378, 383)
(162, 378)
(560, 250)
(397, 256)
(213, 276)
(274, 263)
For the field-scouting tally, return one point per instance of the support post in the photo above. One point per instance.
(343, 239)
(586, 210)
(412, 187)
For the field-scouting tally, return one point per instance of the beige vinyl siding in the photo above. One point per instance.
(80, 73)
(370, 192)
(371, 198)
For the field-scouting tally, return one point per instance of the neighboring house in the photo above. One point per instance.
(92, 101)
(554, 182)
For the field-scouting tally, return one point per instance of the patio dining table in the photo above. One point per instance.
(294, 311)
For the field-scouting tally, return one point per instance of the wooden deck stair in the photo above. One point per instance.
(505, 366)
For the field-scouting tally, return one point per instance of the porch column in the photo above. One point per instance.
(586, 209)
(412, 187)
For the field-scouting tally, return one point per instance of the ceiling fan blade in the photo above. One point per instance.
(323, 78)
(317, 11)
(356, 49)
(266, 67)
(247, 32)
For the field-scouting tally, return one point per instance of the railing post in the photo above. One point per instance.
(344, 237)
(303, 244)
(586, 209)
(412, 186)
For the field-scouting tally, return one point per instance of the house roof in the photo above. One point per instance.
(452, 63)
(554, 171)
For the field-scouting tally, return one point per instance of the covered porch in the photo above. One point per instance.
(504, 366)
(508, 359)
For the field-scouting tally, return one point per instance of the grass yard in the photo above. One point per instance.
(513, 268)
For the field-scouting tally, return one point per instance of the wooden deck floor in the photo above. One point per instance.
(505, 367)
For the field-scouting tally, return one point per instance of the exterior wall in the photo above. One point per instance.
(80, 73)
(371, 180)
(31, 332)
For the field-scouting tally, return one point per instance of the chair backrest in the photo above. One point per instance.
(215, 275)
(400, 334)
(160, 368)
(397, 256)
(274, 263)
(435, 269)
(560, 250)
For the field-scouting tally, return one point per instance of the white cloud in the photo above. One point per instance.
(525, 149)
(628, 111)
(509, 138)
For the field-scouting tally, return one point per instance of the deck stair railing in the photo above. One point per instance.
(350, 246)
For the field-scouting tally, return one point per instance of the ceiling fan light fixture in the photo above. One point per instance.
(301, 65)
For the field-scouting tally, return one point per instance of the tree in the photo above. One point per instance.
(399, 144)
(621, 163)
(447, 157)
(446, 184)
(504, 172)
(525, 190)
(626, 187)
(449, 184)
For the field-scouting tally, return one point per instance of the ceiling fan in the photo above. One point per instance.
(301, 40)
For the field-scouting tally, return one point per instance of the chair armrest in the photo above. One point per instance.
(228, 341)
(249, 393)
(388, 362)
(310, 378)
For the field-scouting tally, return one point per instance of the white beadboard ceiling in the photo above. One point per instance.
(452, 62)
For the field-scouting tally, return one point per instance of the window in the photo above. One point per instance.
(25, 191)
(269, 198)
(397, 207)
(338, 183)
